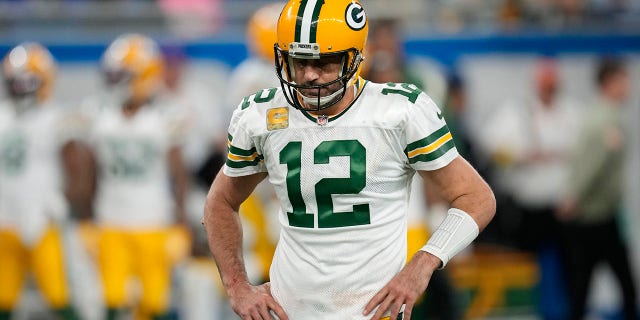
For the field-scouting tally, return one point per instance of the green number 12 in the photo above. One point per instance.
(291, 155)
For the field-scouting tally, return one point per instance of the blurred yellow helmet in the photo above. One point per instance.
(311, 29)
(29, 71)
(261, 30)
(133, 64)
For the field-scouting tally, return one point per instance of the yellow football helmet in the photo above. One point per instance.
(133, 67)
(261, 30)
(29, 71)
(314, 29)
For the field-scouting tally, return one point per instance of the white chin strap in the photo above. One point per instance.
(323, 100)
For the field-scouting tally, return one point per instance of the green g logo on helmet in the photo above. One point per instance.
(355, 17)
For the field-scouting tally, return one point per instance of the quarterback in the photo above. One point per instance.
(341, 153)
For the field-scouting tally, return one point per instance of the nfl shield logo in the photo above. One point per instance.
(322, 120)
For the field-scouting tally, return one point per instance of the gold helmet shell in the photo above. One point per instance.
(29, 71)
(262, 30)
(134, 62)
(311, 29)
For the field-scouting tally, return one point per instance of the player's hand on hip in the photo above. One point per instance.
(405, 288)
(255, 303)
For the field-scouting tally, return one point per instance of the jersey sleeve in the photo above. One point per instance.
(177, 124)
(242, 156)
(430, 145)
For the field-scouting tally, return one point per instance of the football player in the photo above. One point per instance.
(203, 295)
(32, 201)
(341, 153)
(139, 178)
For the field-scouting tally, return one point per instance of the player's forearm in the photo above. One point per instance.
(180, 182)
(224, 233)
(472, 208)
(80, 169)
(463, 188)
(479, 203)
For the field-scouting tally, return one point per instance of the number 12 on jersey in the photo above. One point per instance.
(291, 155)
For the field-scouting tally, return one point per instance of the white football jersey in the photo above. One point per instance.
(134, 189)
(31, 179)
(343, 183)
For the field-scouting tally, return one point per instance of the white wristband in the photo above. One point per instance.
(456, 232)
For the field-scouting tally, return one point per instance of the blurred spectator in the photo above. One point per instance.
(454, 110)
(592, 207)
(510, 14)
(385, 46)
(531, 143)
(386, 60)
(136, 169)
(33, 208)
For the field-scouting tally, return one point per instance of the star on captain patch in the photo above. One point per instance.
(322, 120)
(277, 118)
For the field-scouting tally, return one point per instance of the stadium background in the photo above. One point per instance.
(492, 48)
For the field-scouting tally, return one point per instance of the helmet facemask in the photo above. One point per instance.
(23, 90)
(294, 92)
(118, 82)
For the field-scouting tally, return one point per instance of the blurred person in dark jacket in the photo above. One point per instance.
(592, 207)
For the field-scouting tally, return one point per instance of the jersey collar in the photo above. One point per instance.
(360, 83)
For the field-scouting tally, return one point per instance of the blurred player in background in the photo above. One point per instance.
(257, 71)
(198, 292)
(32, 200)
(135, 167)
(202, 290)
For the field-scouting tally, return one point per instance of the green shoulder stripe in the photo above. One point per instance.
(428, 140)
(434, 154)
(242, 164)
(241, 152)
(430, 148)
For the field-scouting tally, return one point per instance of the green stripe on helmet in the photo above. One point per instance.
(314, 21)
(303, 5)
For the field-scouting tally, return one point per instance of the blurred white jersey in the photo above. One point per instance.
(248, 77)
(134, 188)
(31, 179)
(198, 108)
(343, 184)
